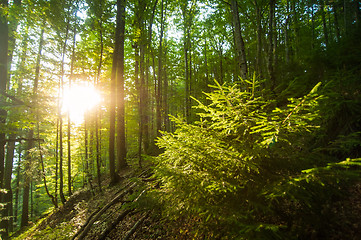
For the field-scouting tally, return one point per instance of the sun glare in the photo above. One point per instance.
(78, 100)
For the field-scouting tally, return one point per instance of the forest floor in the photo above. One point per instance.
(96, 214)
(114, 214)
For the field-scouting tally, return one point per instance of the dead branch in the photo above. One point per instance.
(111, 226)
(135, 227)
(87, 226)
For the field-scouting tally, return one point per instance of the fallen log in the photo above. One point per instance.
(120, 218)
(83, 231)
(135, 227)
(111, 226)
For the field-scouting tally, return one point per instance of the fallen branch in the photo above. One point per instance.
(135, 227)
(83, 231)
(119, 218)
(111, 226)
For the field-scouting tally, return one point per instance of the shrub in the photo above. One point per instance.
(245, 169)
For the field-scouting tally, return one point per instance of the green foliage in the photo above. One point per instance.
(62, 231)
(247, 169)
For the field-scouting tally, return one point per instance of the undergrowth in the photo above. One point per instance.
(251, 168)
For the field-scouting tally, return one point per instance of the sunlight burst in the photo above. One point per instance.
(78, 100)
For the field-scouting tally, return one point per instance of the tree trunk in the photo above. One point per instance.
(35, 101)
(61, 187)
(89, 177)
(259, 40)
(7, 30)
(239, 43)
(296, 28)
(186, 47)
(112, 168)
(206, 63)
(13, 25)
(121, 145)
(271, 44)
(287, 36)
(337, 26)
(56, 161)
(345, 17)
(165, 94)
(4, 38)
(323, 15)
(143, 98)
(27, 180)
(8, 197)
(148, 99)
(17, 188)
(312, 26)
(69, 120)
(97, 110)
(137, 85)
(160, 72)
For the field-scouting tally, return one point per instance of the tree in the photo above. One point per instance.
(121, 145)
(238, 40)
(117, 96)
(4, 38)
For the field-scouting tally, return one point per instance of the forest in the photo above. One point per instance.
(208, 119)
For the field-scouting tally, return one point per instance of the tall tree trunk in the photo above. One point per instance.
(345, 17)
(337, 26)
(13, 25)
(56, 159)
(357, 14)
(165, 93)
(121, 145)
(27, 180)
(61, 178)
(89, 177)
(259, 39)
(8, 196)
(117, 86)
(112, 110)
(138, 23)
(186, 42)
(4, 38)
(287, 35)
(271, 44)
(239, 43)
(137, 85)
(150, 54)
(312, 26)
(35, 101)
(97, 110)
(91, 144)
(143, 96)
(296, 28)
(17, 187)
(69, 120)
(206, 63)
(7, 30)
(30, 143)
(160, 72)
(323, 16)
